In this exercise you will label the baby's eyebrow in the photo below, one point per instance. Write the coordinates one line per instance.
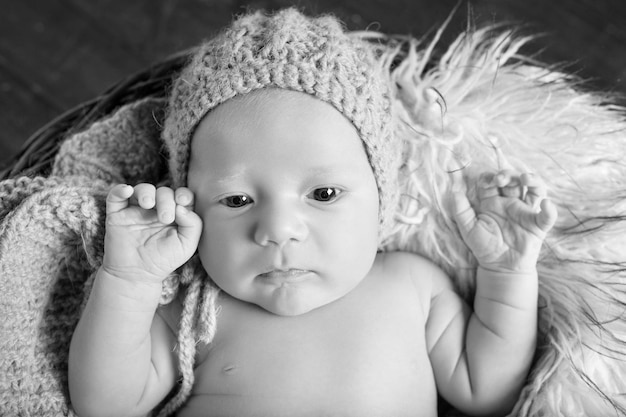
(327, 169)
(228, 177)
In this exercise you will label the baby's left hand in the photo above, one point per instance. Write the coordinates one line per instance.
(508, 227)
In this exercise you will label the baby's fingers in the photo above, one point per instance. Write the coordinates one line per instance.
(184, 197)
(509, 184)
(144, 196)
(189, 223)
(165, 205)
(487, 186)
(536, 189)
(117, 199)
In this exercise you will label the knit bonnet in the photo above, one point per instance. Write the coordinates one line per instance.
(288, 50)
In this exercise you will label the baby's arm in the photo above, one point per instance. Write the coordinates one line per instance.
(121, 355)
(481, 359)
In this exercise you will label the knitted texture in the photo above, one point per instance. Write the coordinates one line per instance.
(290, 51)
(43, 265)
(51, 244)
(119, 149)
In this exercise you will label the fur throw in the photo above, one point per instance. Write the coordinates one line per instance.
(477, 105)
(496, 109)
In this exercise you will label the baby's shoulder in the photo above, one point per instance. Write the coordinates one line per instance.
(411, 269)
(407, 263)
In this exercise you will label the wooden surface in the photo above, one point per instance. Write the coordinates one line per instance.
(55, 54)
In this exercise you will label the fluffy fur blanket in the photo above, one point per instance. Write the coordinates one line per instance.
(475, 106)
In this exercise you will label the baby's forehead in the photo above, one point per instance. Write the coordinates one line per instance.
(257, 99)
(243, 108)
(261, 107)
(278, 123)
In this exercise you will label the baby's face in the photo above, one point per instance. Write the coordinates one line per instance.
(288, 200)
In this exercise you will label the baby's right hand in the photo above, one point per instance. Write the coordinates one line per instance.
(149, 232)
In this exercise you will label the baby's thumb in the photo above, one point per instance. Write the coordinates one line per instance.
(462, 211)
(189, 225)
(546, 218)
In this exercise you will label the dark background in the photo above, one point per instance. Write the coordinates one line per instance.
(55, 54)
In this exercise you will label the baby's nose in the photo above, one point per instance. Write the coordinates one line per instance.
(280, 225)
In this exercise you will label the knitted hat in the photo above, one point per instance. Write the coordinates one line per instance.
(290, 51)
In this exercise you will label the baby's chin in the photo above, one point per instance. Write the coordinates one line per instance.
(288, 304)
(290, 308)
(287, 312)
(289, 298)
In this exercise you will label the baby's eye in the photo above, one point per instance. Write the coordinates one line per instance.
(236, 201)
(325, 194)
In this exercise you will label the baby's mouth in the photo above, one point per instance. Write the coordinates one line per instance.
(291, 274)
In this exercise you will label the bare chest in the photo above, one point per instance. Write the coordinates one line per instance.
(340, 360)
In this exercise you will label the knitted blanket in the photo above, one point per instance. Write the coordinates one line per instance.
(496, 109)
(51, 243)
